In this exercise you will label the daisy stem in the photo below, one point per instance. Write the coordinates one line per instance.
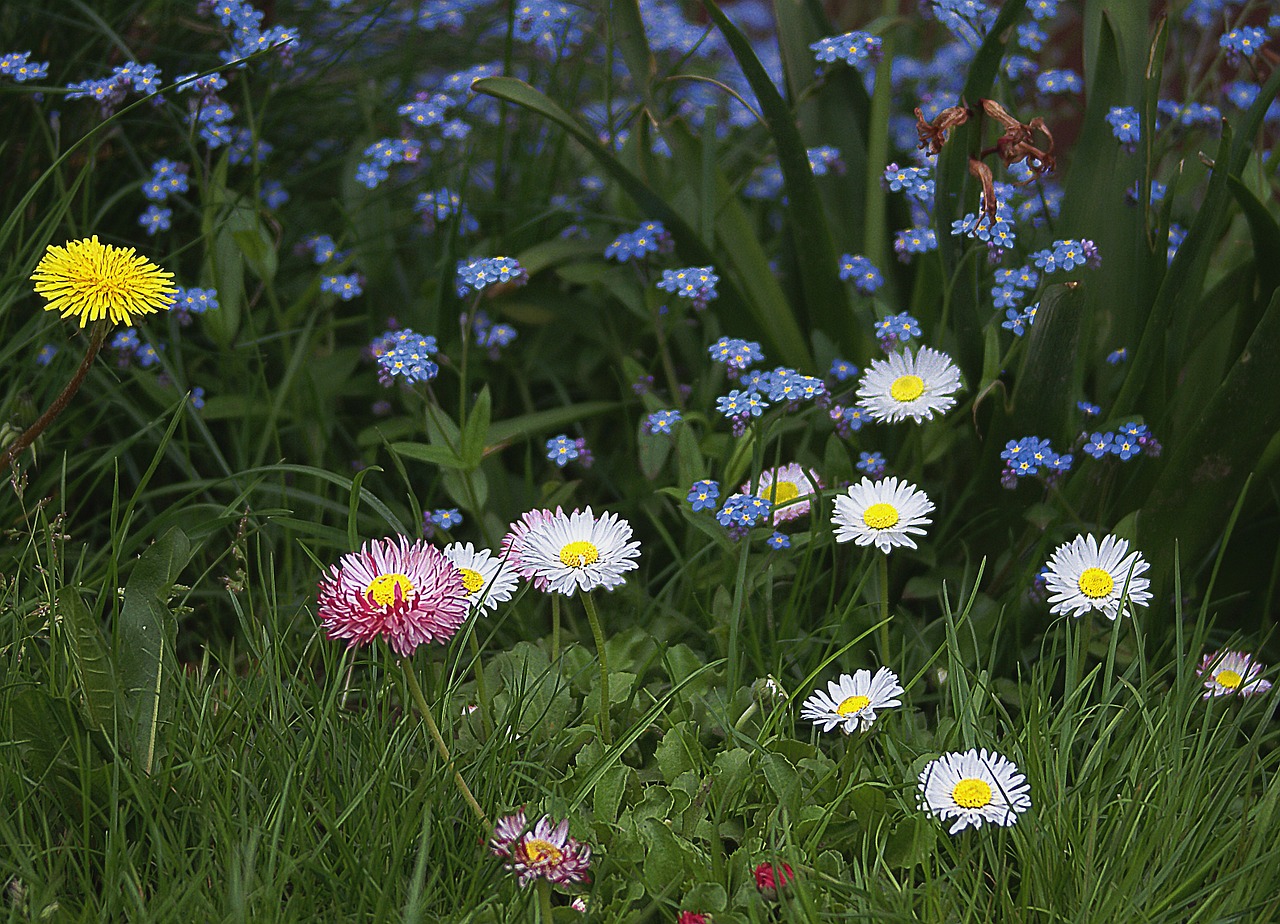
(606, 733)
(425, 711)
(555, 627)
(28, 436)
(544, 900)
(884, 607)
(482, 689)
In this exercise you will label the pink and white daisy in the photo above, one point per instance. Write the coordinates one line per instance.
(547, 851)
(405, 592)
(789, 488)
(1232, 672)
(513, 543)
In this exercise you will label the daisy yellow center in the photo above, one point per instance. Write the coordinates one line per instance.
(542, 852)
(971, 793)
(579, 554)
(906, 388)
(1228, 679)
(851, 705)
(1095, 583)
(92, 282)
(471, 580)
(382, 589)
(782, 491)
(880, 516)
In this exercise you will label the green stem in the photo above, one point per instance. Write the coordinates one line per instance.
(606, 732)
(555, 627)
(884, 608)
(425, 711)
(28, 436)
(544, 900)
(482, 688)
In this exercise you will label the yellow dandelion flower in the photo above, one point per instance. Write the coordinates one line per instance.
(93, 281)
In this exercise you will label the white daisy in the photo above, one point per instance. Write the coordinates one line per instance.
(1084, 576)
(882, 512)
(974, 787)
(852, 701)
(487, 579)
(784, 485)
(905, 385)
(576, 551)
(1228, 672)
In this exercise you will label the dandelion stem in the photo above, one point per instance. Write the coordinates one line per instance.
(884, 607)
(606, 733)
(29, 435)
(425, 711)
(544, 900)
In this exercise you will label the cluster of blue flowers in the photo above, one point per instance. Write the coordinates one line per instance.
(381, 155)
(129, 348)
(1012, 284)
(561, 450)
(247, 36)
(491, 336)
(405, 354)
(650, 237)
(19, 66)
(825, 159)
(662, 422)
(1066, 256)
(704, 495)
(439, 205)
(861, 272)
(1244, 42)
(188, 301)
(896, 329)
(872, 464)
(1059, 81)
(1018, 321)
(860, 50)
(742, 511)
(322, 249)
(344, 285)
(449, 15)
(696, 283)
(997, 233)
(1128, 441)
(914, 240)
(914, 181)
(110, 92)
(735, 353)
(548, 24)
(1032, 456)
(474, 275)
(1126, 125)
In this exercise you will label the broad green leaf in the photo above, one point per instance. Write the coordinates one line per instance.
(145, 642)
(536, 423)
(1044, 397)
(1266, 237)
(434, 455)
(93, 666)
(473, 436)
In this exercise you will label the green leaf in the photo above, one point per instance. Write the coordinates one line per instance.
(434, 455)
(911, 842)
(473, 437)
(93, 666)
(817, 265)
(534, 424)
(1045, 395)
(145, 642)
(1266, 237)
(678, 751)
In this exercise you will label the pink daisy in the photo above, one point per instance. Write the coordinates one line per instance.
(789, 488)
(546, 851)
(513, 543)
(1228, 672)
(406, 592)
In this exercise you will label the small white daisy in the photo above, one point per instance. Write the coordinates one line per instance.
(577, 551)
(788, 485)
(905, 385)
(1084, 576)
(852, 701)
(882, 512)
(488, 580)
(1232, 672)
(974, 787)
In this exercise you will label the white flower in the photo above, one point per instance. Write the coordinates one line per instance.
(488, 580)
(576, 551)
(784, 485)
(1084, 576)
(852, 701)
(1228, 672)
(974, 787)
(905, 385)
(881, 512)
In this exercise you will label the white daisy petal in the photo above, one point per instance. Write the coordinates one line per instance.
(488, 580)
(1085, 576)
(851, 701)
(909, 385)
(577, 551)
(1232, 673)
(974, 787)
(884, 512)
